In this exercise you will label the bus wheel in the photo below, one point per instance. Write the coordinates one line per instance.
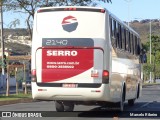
(121, 107)
(121, 103)
(68, 106)
(131, 102)
(59, 106)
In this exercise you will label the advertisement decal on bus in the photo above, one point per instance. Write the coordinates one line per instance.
(68, 62)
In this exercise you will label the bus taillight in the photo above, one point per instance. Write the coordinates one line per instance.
(70, 9)
(102, 10)
(34, 77)
(105, 76)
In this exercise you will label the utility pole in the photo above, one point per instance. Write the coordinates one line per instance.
(16, 80)
(150, 48)
(24, 69)
(46, 2)
(128, 1)
(2, 40)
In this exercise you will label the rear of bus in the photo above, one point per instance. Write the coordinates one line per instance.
(68, 51)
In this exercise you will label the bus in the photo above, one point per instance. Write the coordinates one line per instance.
(84, 56)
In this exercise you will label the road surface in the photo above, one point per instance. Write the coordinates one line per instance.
(149, 103)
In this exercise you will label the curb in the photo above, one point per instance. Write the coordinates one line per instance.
(150, 84)
(23, 100)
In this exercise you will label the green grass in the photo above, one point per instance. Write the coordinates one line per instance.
(14, 97)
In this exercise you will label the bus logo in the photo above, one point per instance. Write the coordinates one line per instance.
(61, 53)
(69, 23)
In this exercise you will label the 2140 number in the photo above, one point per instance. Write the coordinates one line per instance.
(56, 42)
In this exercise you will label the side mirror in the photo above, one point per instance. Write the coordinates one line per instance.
(143, 56)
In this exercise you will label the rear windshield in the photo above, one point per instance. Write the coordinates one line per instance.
(70, 24)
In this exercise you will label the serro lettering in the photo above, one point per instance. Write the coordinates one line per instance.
(61, 53)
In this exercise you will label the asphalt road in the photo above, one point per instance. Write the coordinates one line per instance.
(149, 103)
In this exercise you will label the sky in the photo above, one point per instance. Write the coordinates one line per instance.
(126, 10)
(141, 9)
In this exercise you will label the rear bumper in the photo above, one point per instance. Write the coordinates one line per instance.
(101, 93)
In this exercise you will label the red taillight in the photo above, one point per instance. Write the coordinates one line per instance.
(102, 10)
(39, 11)
(105, 76)
(105, 73)
(74, 8)
(34, 77)
(71, 9)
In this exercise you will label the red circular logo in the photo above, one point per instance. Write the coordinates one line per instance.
(69, 23)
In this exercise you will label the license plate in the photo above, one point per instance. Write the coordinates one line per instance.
(69, 85)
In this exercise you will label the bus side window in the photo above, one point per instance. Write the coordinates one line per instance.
(119, 36)
(124, 39)
(111, 27)
(137, 46)
(127, 40)
(114, 32)
(132, 44)
(138, 49)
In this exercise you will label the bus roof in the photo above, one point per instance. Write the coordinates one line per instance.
(72, 8)
(122, 23)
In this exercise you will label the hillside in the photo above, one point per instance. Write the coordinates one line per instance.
(143, 28)
(12, 41)
(15, 32)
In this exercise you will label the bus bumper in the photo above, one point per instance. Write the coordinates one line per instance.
(71, 94)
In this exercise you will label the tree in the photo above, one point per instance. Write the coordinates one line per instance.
(146, 71)
(23, 6)
(155, 49)
(155, 45)
(30, 6)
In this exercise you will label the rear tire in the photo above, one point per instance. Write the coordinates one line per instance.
(131, 102)
(138, 91)
(68, 106)
(121, 103)
(59, 106)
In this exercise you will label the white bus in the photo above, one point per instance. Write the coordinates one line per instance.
(84, 55)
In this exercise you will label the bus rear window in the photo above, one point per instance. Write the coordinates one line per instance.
(71, 23)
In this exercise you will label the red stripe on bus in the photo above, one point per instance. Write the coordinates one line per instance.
(60, 64)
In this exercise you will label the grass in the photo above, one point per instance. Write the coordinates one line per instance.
(14, 97)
